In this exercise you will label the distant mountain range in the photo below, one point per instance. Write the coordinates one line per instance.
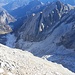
(15, 4)
(72, 2)
(6, 1)
(46, 29)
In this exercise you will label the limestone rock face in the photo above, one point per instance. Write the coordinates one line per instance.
(5, 19)
(5, 29)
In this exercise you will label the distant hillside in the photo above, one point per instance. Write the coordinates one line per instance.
(15, 4)
(6, 1)
(25, 10)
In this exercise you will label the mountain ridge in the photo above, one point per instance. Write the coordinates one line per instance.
(43, 21)
(48, 33)
(13, 61)
(44, 34)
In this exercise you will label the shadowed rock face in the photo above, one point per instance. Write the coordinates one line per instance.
(68, 40)
(37, 27)
(5, 17)
(5, 1)
(72, 2)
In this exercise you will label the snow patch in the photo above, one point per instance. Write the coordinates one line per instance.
(1, 70)
(41, 27)
(9, 73)
(33, 14)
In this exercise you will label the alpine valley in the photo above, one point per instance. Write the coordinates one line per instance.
(37, 37)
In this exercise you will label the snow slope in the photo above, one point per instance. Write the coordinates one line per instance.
(17, 62)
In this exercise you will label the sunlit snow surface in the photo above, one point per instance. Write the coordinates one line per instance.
(18, 62)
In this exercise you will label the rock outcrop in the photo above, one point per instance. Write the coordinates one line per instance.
(5, 19)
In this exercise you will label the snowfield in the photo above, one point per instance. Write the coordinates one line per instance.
(18, 62)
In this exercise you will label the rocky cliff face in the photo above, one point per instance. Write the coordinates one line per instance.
(37, 27)
(5, 17)
(17, 62)
(50, 34)
(68, 39)
(72, 2)
(5, 1)
(25, 10)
